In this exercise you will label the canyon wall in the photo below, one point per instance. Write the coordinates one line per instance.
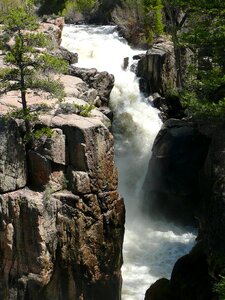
(61, 217)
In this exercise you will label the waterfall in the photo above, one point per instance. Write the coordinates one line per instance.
(150, 248)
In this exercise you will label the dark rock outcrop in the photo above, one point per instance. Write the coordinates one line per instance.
(195, 274)
(103, 82)
(61, 237)
(70, 57)
(13, 165)
(171, 188)
(212, 185)
(157, 69)
(160, 290)
(170, 107)
(190, 280)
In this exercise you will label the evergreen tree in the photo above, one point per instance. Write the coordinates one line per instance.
(27, 68)
(204, 34)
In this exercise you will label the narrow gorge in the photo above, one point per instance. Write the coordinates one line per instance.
(115, 191)
(150, 248)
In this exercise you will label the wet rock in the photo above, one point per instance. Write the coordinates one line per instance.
(190, 278)
(157, 69)
(169, 106)
(107, 112)
(171, 186)
(125, 63)
(138, 56)
(160, 290)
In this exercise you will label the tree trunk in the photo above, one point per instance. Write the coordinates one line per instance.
(177, 51)
(24, 101)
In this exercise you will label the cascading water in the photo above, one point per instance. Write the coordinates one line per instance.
(150, 248)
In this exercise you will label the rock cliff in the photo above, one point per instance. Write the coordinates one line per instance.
(157, 69)
(171, 188)
(61, 234)
(189, 157)
(61, 217)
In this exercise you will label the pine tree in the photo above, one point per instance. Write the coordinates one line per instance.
(27, 68)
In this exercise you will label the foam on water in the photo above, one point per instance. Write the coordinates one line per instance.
(150, 248)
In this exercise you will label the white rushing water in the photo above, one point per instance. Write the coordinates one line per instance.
(150, 248)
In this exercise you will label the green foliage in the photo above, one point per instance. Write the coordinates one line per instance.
(69, 9)
(219, 288)
(49, 85)
(43, 132)
(159, 27)
(82, 110)
(27, 115)
(148, 37)
(64, 182)
(66, 7)
(203, 87)
(30, 116)
(38, 134)
(208, 109)
(29, 68)
(85, 6)
(41, 108)
(7, 5)
(142, 20)
(204, 92)
(85, 110)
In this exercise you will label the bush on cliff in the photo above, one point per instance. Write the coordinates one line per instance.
(219, 288)
(47, 7)
(7, 5)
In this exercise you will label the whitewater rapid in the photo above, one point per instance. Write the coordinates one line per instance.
(150, 248)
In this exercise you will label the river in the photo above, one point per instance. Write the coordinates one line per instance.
(150, 248)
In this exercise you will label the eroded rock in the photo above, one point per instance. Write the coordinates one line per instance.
(59, 246)
(102, 82)
(157, 69)
(63, 240)
(13, 166)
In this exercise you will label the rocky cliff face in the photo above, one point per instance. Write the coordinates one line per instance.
(157, 69)
(61, 236)
(171, 188)
(198, 152)
(61, 217)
